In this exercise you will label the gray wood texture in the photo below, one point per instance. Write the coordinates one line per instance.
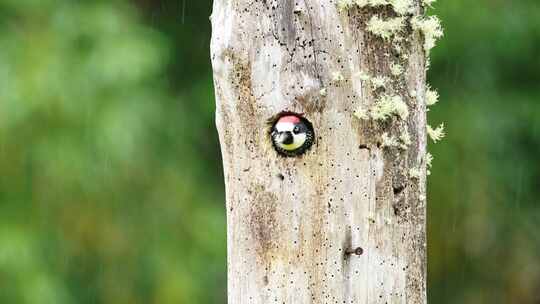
(291, 220)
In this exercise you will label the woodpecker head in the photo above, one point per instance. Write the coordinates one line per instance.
(292, 135)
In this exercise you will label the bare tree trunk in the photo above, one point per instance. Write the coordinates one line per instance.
(293, 222)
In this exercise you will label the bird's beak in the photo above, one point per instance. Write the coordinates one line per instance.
(285, 138)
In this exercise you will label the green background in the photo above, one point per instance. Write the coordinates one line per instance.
(110, 174)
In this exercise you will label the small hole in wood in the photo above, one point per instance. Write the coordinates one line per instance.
(291, 134)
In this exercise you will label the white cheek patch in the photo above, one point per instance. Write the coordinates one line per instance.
(284, 126)
(299, 140)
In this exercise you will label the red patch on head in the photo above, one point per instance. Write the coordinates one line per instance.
(289, 118)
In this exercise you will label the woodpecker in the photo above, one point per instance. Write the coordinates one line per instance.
(292, 135)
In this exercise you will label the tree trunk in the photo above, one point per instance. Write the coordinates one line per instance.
(293, 222)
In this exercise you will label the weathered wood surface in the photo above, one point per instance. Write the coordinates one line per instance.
(290, 220)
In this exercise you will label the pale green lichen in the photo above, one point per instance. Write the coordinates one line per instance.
(337, 77)
(431, 29)
(415, 173)
(401, 108)
(378, 2)
(348, 4)
(323, 92)
(361, 113)
(432, 97)
(402, 7)
(429, 162)
(385, 28)
(388, 106)
(396, 69)
(397, 45)
(361, 3)
(405, 140)
(379, 82)
(363, 76)
(402, 142)
(428, 2)
(388, 141)
(436, 134)
(398, 39)
(345, 4)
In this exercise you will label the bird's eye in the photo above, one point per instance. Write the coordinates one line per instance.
(296, 130)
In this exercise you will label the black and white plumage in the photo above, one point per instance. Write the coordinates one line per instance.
(292, 135)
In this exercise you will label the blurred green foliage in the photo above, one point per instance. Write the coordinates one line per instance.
(110, 189)
(484, 194)
(111, 186)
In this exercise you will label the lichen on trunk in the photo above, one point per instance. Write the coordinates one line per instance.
(291, 221)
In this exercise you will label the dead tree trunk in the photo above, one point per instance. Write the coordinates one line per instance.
(357, 73)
